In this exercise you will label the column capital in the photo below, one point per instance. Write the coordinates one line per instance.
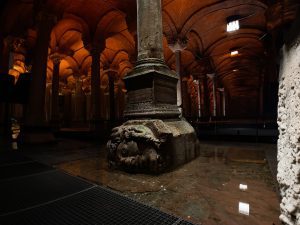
(177, 45)
(56, 58)
(16, 44)
(211, 75)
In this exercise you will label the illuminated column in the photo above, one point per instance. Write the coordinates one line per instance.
(34, 130)
(212, 76)
(177, 47)
(178, 71)
(56, 59)
(95, 86)
(197, 82)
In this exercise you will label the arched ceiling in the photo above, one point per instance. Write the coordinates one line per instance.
(199, 26)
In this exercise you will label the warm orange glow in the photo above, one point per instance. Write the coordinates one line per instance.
(234, 53)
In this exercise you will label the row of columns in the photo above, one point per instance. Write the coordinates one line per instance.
(215, 107)
(35, 110)
(95, 91)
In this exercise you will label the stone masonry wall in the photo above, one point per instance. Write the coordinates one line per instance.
(289, 127)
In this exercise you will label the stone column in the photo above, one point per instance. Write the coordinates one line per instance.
(112, 108)
(288, 155)
(213, 79)
(155, 139)
(151, 86)
(35, 130)
(149, 29)
(177, 48)
(205, 97)
(261, 95)
(178, 71)
(95, 88)
(197, 82)
(56, 59)
(223, 101)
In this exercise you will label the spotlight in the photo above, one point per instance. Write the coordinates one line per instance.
(233, 53)
(233, 23)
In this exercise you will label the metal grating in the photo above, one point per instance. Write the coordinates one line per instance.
(92, 207)
(24, 192)
(32, 193)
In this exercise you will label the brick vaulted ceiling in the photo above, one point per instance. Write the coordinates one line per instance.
(198, 25)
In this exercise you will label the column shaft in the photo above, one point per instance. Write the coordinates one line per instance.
(178, 71)
(55, 92)
(112, 97)
(95, 86)
(205, 97)
(214, 97)
(35, 116)
(149, 29)
(199, 96)
(151, 85)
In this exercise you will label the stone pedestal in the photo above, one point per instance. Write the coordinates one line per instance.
(152, 90)
(152, 146)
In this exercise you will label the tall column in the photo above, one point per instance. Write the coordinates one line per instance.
(186, 98)
(213, 79)
(222, 101)
(261, 95)
(112, 96)
(95, 87)
(177, 48)
(151, 85)
(178, 71)
(199, 96)
(155, 138)
(34, 130)
(55, 91)
(149, 29)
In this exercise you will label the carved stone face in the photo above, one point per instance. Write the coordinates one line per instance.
(128, 149)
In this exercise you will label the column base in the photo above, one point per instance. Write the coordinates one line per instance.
(36, 135)
(152, 146)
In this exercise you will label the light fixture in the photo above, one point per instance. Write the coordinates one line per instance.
(233, 23)
(235, 70)
(233, 53)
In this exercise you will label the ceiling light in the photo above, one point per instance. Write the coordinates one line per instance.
(233, 25)
(235, 70)
(233, 53)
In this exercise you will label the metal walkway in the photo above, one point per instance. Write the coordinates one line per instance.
(32, 193)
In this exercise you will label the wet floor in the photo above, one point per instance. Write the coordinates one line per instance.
(204, 191)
